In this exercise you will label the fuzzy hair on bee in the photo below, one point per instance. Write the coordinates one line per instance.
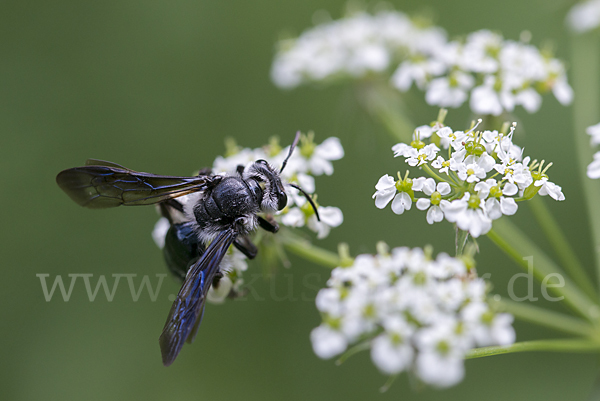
(219, 211)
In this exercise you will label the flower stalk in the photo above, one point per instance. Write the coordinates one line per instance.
(569, 260)
(306, 250)
(561, 345)
(518, 246)
(547, 318)
(386, 107)
(586, 111)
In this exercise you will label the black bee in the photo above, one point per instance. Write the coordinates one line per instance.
(225, 209)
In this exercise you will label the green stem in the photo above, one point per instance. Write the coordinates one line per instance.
(306, 250)
(560, 244)
(544, 317)
(561, 345)
(365, 345)
(586, 112)
(388, 383)
(461, 241)
(517, 245)
(437, 177)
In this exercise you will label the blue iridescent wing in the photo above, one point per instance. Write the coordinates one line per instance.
(188, 307)
(101, 184)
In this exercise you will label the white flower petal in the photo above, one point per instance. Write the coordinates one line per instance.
(330, 149)
(401, 202)
(382, 198)
(435, 215)
(423, 203)
(508, 206)
(330, 215)
(443, 188)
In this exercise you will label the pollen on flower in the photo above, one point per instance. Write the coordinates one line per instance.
(416, 313)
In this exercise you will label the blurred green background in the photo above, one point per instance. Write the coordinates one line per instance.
(156, 86)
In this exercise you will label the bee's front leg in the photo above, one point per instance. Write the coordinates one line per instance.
(268, 223)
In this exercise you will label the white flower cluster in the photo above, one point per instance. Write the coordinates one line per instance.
(413, 312)
(482, 177)
(354, 46)
(496, 74)
(308, 160)
(584, 16)
(593, 170)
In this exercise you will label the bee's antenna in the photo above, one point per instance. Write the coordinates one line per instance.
(308, 198)
(296, 139)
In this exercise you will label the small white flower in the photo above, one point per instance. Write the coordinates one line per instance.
(440, 361)
(475, 168)
(159, 233)
(422, 156)
(434, 214)
(593, 170)
(386, 189)
(294, 218)
(392, 351)
(500, 202)
(419, 72)
(594, 132)
(450, 91)
(402, 149)
(467, 218)
(549, 188)
(439, 370)
(562, 91)
(441, 164)
(320, 161)
(485, 100)
(529, 99)
(330, 217)
(584, 16)
(487, 327)
(327, 342)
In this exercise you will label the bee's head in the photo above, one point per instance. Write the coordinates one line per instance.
(274, 197)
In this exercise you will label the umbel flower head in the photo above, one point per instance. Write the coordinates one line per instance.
(495, 75)
(414, 312)
(308, 161)
(475, 177)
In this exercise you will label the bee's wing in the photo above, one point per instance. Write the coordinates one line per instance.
(188, 307)
(100, 184)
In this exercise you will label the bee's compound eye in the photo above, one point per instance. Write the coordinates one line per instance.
(281, 201)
